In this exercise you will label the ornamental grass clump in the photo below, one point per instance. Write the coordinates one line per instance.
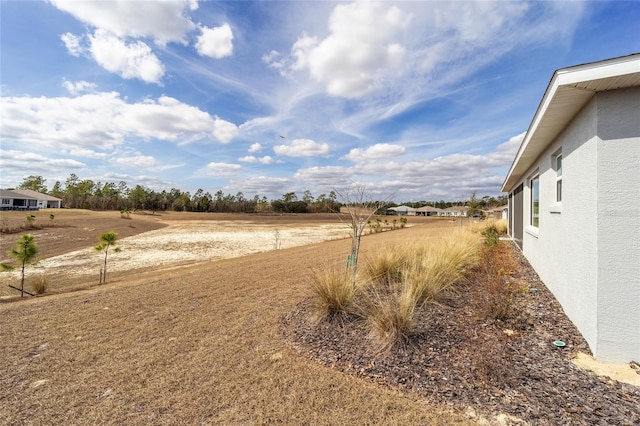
(334, 291)
(385, 266)
(391, 316)
(398, 291)
(440, 266)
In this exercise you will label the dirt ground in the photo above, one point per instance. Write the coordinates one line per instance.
(201, 340)
(154, 241)
(199, 344)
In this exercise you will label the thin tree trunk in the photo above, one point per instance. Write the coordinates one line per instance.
(22, 282)
(104, 275)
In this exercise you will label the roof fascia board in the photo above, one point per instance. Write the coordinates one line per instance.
(571, 76)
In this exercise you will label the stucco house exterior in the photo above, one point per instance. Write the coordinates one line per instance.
(428, 211)
(457, 211)
(498, 213)
(26, 199)
(402, 211)
(574, 201)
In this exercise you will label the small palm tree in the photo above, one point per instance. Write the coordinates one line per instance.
(25, 252)
(107, 240)
(51, 217)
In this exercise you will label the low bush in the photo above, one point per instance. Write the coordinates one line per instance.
(40, 283)
(500, 288)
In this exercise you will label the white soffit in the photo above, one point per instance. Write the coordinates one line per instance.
(568, 92)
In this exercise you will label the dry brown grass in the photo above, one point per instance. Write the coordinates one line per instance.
(399, 282)
(40, 283)
(196, 345)
(334, 291)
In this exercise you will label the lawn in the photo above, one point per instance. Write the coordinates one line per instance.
(200, 344)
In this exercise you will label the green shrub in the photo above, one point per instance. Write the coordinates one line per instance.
(491, 236)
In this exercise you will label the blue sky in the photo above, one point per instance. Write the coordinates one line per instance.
(427, 100)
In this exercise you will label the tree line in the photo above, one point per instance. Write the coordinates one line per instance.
(86, 194)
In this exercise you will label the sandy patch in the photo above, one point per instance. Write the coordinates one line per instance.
(620, 372)
(184, 243)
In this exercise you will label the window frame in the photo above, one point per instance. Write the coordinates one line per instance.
(557, 166)
(534, 200)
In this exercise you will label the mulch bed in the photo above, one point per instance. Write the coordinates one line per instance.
(462, 356)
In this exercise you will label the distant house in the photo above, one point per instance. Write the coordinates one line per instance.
(428, 211)
(578, 164)
(498, 213)
(402, 211)
(457, 211)
(25, 199)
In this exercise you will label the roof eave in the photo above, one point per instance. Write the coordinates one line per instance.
(565, 96)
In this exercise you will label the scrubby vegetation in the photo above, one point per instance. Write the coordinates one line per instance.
(396, 284)
(40, 283)
(24, 252)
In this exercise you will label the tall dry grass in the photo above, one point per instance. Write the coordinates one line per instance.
(386, 265)
(334, 290)
(40, 283)
(391, 316)
(395, 285)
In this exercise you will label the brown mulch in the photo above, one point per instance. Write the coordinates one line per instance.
(463, 356)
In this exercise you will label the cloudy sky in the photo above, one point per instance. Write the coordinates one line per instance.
(425, 99)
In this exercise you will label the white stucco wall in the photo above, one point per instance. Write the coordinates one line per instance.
(618, 190)
(587, 248)
(563, 250)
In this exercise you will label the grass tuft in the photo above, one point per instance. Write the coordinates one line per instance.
(40, 283)
(401, 281)
(500, 288)
(385, 266)
(334, 290)
(391, 316)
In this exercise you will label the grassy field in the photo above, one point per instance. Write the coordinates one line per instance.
(195, 345)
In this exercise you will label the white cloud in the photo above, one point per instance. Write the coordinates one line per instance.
(276, 60)
(78, 87)
(362, 50)
(506, 151)
(224, 131)
(83, 152)
(103, 121)
(138, 160)
(302, 148)
(17, 164)
(248, 159)
(222, 169)
(24, 159)
(255, 147)
(272, 186)
(129, 60)
(73, 44)
(163, 21)
(329, 177)
(253, 159)
(215, 42)
(375, 152)
(301, 50)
